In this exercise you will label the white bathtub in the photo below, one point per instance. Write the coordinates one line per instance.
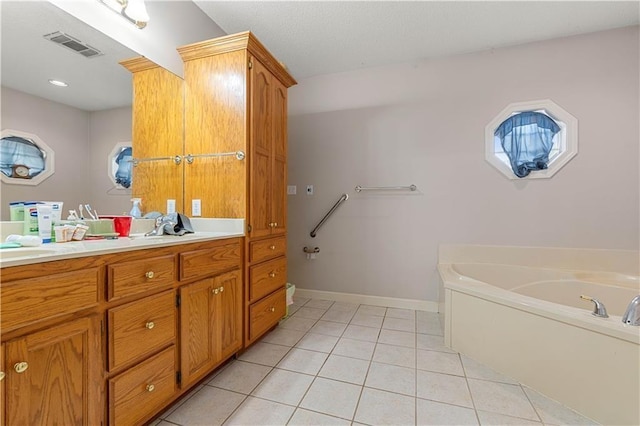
(530, 324)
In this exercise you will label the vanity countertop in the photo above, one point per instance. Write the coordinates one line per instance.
(205, 230)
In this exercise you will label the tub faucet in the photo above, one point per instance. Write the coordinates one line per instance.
(632, 314)
(598, 310)
(161, 222)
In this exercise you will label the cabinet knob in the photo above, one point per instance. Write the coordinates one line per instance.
(21, 367)
(149, 274)
(270, 224)
(221, 289)
(272, 247)
(275, 224)
(1, 376)
(150, 325)
(272, 274)
(150, 387)
(272, 309)
(216, 291)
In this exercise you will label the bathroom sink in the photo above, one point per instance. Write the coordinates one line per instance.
(24, 252)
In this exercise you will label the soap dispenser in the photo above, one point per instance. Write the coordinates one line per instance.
(135, 210)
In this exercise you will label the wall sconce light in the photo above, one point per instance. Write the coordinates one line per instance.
(133, 10)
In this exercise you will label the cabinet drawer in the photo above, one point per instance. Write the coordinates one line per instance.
(267, 277)
(267, 249)
(142, 390)
(139, 276)
(30, 300)
(266, 313)
(141, 327)
(211, 261)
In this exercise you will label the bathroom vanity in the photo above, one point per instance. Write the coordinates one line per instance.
(114, 334)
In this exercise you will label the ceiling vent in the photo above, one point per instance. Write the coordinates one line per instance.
(74, 44)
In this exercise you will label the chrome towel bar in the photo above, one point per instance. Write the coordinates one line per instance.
(342, 199)
(385, 188)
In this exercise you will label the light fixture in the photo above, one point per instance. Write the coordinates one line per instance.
(58, 83)
(134, 11)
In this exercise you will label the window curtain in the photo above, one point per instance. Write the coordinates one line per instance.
(527, 139)
(16, 150)
(123, 174)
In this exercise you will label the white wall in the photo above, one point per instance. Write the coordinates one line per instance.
(423, 124)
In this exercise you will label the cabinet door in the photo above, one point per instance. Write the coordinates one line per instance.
(229, 314)
(2, 382)
(197, 338)
(55, 376)
(279, 159)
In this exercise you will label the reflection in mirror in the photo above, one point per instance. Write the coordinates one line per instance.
(120, 165)
(24, 158)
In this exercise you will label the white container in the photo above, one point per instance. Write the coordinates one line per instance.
(45, 221)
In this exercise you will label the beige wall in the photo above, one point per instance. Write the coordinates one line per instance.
(81, 141)
(423, 123)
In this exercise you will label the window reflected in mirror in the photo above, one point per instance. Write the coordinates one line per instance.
(24, 158)
(121, 165)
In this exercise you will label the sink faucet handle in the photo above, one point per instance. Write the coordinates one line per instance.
(598, 310)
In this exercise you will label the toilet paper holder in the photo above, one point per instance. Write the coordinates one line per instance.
(310, 250)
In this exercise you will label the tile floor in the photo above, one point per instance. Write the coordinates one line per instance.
(334, 363)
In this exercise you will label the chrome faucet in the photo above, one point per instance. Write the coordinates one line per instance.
(161, 222)
(598, 310)
(632, 314)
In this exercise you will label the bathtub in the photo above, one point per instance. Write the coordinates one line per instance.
(530, 324)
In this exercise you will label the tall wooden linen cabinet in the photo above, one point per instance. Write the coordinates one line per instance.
(233, 99)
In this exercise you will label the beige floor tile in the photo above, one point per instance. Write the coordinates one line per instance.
(475, 370)
(329, 328)
(399, 324)
(310, 313)
(181, 401)
(392, 378)
(304, 417)
(293, 309)
(265, 354)
(303, 361)
(408, 314)
(338, 316)
(257, 411)
(318, 342)
(354, 348)
(432, 343)
(378, 407)
(359, 332)
(440, 362)
(437, 413)
(427, 316)
(345, 369)
(344, 306)
(300, 301)
(398, 338)
(443, 388)
(501, 398)
(323, 397)
(286, 387)
(495, 419)
(372, 310)
(554, 413)
(367, 320)
(319, 303)
(396, 355)
(209, 406)
(298, 323)
(240, 377)
(429, 327)
(283, 336)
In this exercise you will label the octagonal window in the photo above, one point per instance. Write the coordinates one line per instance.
(530, 140)
(24, 158)
(120, 165)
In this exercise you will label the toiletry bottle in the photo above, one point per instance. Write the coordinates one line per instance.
(135, 210)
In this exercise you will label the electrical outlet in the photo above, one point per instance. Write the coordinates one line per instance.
(171, 206)
(309, 189)
(291, 190)
(196, 207)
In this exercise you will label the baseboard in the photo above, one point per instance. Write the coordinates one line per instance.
(393, 302)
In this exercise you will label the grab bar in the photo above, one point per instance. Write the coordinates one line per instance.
(385, 188)
(342, 199)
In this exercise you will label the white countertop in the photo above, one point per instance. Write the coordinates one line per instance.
(205, 230)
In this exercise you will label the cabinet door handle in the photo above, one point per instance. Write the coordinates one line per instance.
(2, 375)
(21, 367)
(150, 387)
(215, 291)
(221, 289)
(272, 274)
(272, 309)
(272, 247)
(149, 274)
(150, 325)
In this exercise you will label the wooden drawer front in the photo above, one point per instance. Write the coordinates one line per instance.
(142, 390)
(267, 277)
(267, 249)
(30, 300)
(211, 261)
(141, 327)
(266, 313)
(139, 276)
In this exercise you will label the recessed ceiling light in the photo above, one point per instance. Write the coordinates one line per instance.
(58, 83)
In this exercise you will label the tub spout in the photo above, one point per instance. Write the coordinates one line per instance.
(598, 310)
(632, 314)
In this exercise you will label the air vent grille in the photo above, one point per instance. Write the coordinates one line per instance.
(74, 44)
